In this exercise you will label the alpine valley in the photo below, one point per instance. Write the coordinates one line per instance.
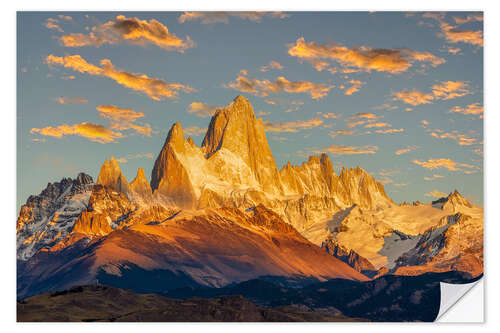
(221, 219)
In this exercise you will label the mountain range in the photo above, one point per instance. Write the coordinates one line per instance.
(223, 213)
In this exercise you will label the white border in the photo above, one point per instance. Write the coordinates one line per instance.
(8, 56)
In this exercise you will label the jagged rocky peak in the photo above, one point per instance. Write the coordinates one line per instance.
(140, 184)
(236, 129)
(49, 216)
(169, 176)
(112, 177)
(454, 201)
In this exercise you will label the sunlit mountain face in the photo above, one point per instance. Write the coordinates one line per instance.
(342, 183)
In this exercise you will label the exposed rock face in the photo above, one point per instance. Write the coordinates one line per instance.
(48, 217)
(93, 224)
(235, 168)
(140, 185)
(236, 129)
(169, 176)
(348, 256)
(455, 246)
(111, 176)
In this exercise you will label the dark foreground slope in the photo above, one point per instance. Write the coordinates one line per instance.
(388, 298)
(101, 303)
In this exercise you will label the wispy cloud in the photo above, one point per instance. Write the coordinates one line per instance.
(132, 30)
(265, 87)
(445, 90)
(272, 65)
(120, 119)
(452, 33)
(93, 132)
(436, 194)
(390, 131)
(355, 86)
(71, 100)
(445, 163)
(405, 150)
(156, 89)
(461, 139)
(434, 177)
(202, 110)
(292, 126)
(472, 109)
(338, 133)
(349, 150)
(223, 17)
(365, 58)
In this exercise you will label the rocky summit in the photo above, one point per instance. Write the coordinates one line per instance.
(223, 213)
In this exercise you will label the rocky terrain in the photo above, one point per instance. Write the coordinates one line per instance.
(223, 213)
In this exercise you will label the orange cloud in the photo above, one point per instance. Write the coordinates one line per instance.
(223, 17)
(477, 17)
(337, 133)
(356, 85)
(292, 126)
(436, 194)
(473, 109)
(350, 150)
(461, 139)
(202, 110)
(123, 119)
(443, 163)
(453, 35)
(413, 97)
(71, 100)
(361, 119)
(156, 89)
(331, 115)
(132, 30)
(93, 132)
(378, 125)
(445, 90)
(434, 177)
(53, 23)
(450, 89)
(390, 131)
(265, 87)
(393, 61)
(272, 65)
(120, 119)
(405, 150)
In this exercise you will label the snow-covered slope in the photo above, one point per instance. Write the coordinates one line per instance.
(49, 217)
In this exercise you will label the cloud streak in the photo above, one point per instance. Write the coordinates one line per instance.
(71, 100)
(445, 163)
(131, 30)
(156, 89)
(202, 110)
(394, 61)
(120, 119)
(265, 87)
(93, 132)
(292, 126)
(350, 150)
(445, 90)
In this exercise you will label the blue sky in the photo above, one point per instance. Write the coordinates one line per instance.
(399, 94)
